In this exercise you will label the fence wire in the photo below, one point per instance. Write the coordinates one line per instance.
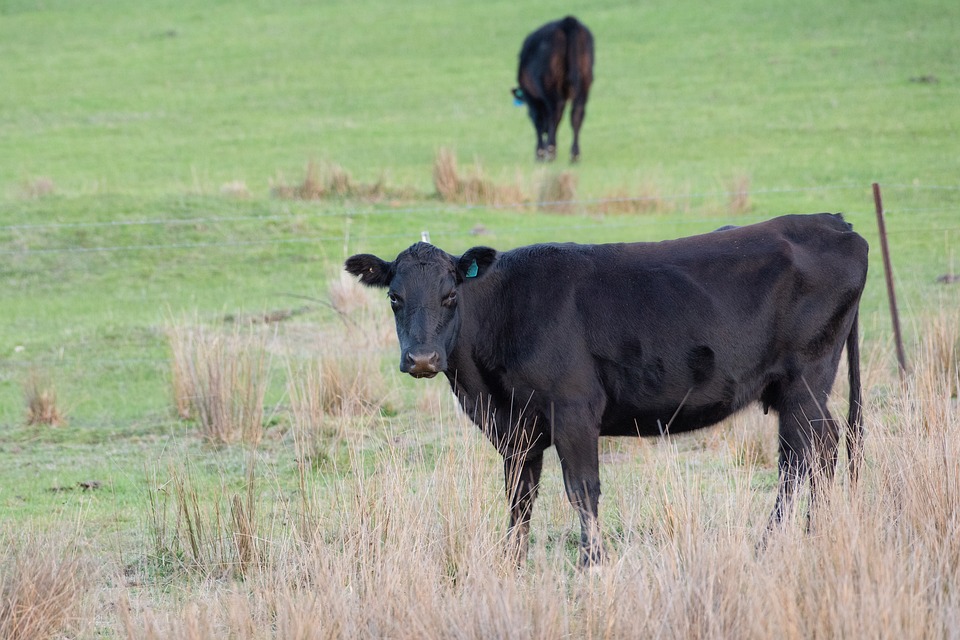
(446, 210)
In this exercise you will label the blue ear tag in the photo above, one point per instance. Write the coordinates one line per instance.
(472, 271)
(517, 102)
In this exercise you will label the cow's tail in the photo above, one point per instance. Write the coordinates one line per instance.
(855, 412)
(571, 28)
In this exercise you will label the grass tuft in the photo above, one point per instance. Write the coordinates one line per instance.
(648, 199)
(473, 188)
(236, 189)
(739, 195)
(940, 346)
(38, 187)
(217, 537)
(556, 191)
(40, 397)
(220, 378)
(43, 585)
(330, 180)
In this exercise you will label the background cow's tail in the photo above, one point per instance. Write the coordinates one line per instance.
(855, 413)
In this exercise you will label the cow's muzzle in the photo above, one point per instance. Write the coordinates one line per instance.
(421, 365)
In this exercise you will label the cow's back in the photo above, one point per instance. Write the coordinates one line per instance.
(706, 322)
(557, 58)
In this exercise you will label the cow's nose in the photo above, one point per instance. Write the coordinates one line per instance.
(423, 365)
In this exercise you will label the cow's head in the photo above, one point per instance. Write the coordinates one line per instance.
(424, 286)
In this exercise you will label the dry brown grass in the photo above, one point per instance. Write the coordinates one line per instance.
(738, 200)
(338, 391)
(330, 180)
(40, 397)
(940, 345)
(407, 550)
(474, 187)
(556, 191)
(218, 537)
(648, 198)
(752, 440)
(219, 378)
(347, 295)
(38, 187)
(236, 189)
(44, 583)
(407, 539)
(337, 385)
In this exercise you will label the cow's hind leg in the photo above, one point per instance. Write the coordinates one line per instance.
(540, 118)
(809, 438)
(554, 115)
(578, 111)
(576, 438)
(522, 475)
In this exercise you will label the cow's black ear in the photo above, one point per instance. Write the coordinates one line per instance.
(475, 262)
(373, 271)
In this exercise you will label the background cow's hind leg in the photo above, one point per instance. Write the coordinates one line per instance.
(578, 111)
(554, 115)
(538, 114)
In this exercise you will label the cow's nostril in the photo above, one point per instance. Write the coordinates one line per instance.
(423, 362)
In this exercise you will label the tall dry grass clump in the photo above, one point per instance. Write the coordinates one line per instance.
(329, 180)
(940, 347)
(556, 191)
(337, 391)
(219, 378)
(214, 532)
(472, 188)
(40, 398)
(738, 198)
(236, 189)
(338, 385)
(37, 187)
(647, 199)
(44, 583)
(366, 322)
(446, 175)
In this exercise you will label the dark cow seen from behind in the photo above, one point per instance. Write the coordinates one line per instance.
(559, 344)
(556, 65)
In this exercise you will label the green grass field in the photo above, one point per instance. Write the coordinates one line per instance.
(142, 145)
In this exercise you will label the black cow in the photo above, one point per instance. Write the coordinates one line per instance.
(559, 344)
(556, 65)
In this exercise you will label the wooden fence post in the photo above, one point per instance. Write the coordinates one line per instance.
(888, 272)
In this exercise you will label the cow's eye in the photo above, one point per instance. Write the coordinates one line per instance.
(450, 299)
(394, 299)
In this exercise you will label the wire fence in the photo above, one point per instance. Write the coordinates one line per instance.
(448, 211)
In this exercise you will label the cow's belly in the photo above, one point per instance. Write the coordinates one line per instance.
(632, 421)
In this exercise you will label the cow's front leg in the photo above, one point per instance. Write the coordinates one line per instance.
(577, 445)
(522, 475)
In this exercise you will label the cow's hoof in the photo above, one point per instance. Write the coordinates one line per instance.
(591, 557)
(574, 158)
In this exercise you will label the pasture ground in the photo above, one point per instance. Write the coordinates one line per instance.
(149, 152)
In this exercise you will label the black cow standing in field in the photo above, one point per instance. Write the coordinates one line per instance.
(559, 344)
(556, 65)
